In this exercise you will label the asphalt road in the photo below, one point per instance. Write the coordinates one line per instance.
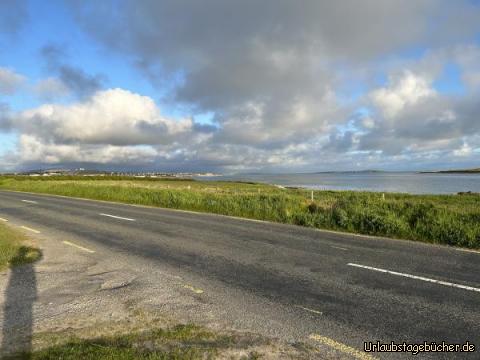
(337, 288)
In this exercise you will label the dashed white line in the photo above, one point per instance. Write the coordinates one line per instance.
(339, 248)
(30, 229)
(78, 246)
(440, 282)
(117, 217)
(4, 220)
(30, 201)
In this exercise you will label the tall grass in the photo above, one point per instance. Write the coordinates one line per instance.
(443, 219)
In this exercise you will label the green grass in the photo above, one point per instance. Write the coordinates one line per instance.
(443, 219)
(181, 342)
(13, 250)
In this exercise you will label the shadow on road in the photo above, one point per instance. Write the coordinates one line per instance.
(20, 295)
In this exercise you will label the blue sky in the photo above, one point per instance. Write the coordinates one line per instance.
(53, 24)
(293, 92)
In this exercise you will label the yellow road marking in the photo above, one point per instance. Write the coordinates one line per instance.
(2, 219)
(341, 347)
(30, 229)
(196, 291)
(78, 246)
(310, 310)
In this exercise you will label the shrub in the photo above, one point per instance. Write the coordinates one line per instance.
(340, 218)
(373, 223)
(419, 213)
(449, 232)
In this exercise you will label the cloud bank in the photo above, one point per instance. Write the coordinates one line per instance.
(321, 85)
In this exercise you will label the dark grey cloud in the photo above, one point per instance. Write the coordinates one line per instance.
(269, 70)
(53, 54)
(13, 15)
(72, 77)
(79, 81)
(232, 51)
(340, 142)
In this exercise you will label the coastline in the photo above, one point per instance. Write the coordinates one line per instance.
(394, 182)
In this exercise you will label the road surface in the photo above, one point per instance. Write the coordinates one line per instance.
(298, 283)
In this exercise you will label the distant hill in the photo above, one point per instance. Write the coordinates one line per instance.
(456, 171)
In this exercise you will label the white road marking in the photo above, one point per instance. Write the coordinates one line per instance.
(469, 250)
(338, 247)
(117, 217)
(2, 219)
(78, 246)
(310, 310)
(30, 229)
(30, 201)
(440, 282)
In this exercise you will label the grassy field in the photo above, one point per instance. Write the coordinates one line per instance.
(14, 249)
(443, 219)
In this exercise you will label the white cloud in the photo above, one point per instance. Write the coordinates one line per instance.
(33, 150)
(465, 150)
(10, 81)
(367, 122)
(110, 117)
(414, 121)
(112, 127)
(402, 91)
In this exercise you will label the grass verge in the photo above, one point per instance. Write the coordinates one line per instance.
(181, 342)
(442, 219)
(14, 249)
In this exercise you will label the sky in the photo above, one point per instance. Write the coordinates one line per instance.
(240, 86)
